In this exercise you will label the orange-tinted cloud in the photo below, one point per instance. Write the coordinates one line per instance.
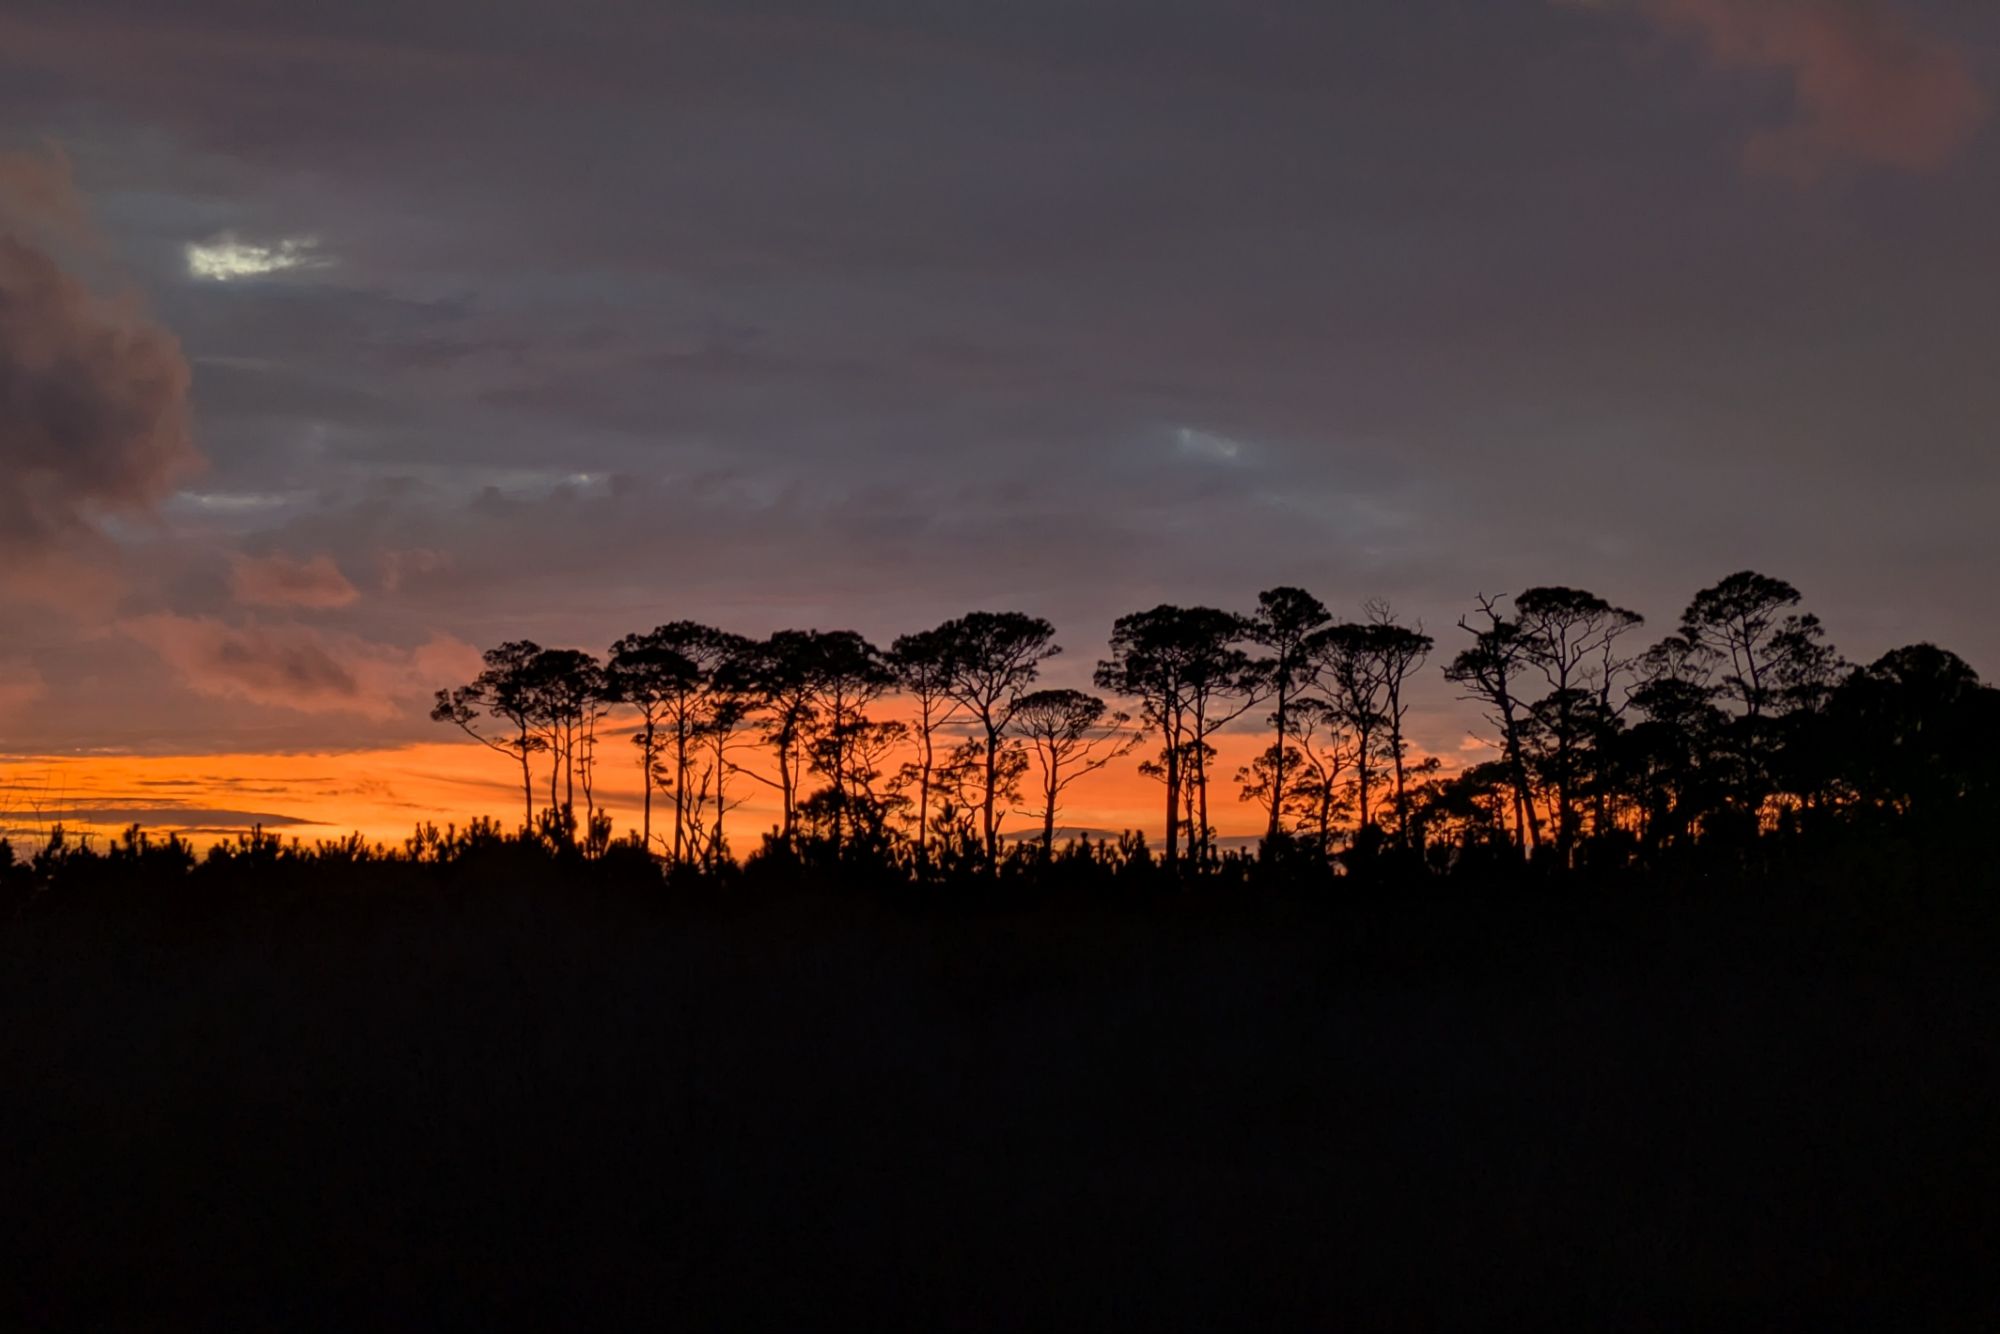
(37, 190)
(299, 667)
(72, 579)
(93, 394)
(1867, 86)
(279, 580)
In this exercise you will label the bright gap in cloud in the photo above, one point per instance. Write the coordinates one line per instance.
(226, 258)
(231, 502)
(1198, 444)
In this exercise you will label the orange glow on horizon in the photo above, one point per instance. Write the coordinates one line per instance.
(383, 793)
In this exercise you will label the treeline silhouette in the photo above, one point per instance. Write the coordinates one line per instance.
(1741, 731)
(1736, 743)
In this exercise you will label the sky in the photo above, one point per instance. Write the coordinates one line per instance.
(338, 342)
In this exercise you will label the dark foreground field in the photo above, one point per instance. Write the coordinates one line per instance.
(506, 1107)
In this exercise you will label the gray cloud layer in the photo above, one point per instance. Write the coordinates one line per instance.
(633, 311)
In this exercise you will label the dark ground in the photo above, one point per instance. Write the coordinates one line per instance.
(530, 1108)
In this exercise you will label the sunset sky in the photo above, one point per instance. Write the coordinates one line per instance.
(340, 341)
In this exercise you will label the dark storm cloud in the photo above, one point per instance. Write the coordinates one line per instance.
(93, 410)
(780, 313)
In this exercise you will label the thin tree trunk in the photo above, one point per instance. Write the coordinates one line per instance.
(1202, 834)
(527, 787)
(1523, 794)
(646, 778)
(924, 799)
(569, 766)
(1195, 789)
(1049, 817)
(1361, 819)
(680, 787)
(992, 776)
(1277, 770)
(788, 790)
(1565, 810)
(1396, 749)
(721, 805)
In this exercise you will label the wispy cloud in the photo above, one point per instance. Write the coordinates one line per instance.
(163, 817)
(299, 667)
